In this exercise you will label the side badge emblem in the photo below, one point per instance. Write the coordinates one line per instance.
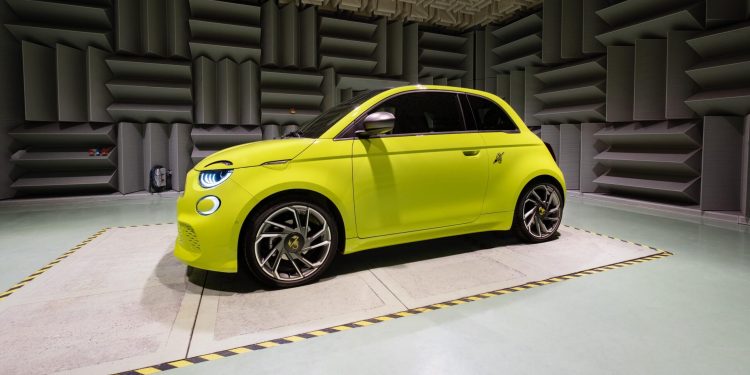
(499, 158)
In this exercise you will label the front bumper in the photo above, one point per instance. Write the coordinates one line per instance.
(210, 242)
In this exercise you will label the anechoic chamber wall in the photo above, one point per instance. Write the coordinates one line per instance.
(639, 98)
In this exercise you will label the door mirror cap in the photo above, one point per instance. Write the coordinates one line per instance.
(377, 123)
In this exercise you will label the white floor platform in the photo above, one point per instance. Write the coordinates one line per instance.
(123, 302)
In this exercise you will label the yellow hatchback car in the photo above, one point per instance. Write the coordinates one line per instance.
(386, 167)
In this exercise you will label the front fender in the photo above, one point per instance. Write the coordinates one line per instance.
(329, 177)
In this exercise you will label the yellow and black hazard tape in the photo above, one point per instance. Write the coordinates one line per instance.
(343, 327)
(143, 225)
(419, 310)
(57, 260)
(49, 265)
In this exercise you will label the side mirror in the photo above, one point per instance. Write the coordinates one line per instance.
(377, 123)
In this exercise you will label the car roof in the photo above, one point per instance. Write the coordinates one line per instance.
(419, 87)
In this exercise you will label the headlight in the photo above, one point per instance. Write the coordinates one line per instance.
(210, 179)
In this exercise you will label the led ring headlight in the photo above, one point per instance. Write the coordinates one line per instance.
(210, 179)
(208, 205)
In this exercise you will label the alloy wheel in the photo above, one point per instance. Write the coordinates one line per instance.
(541, 211)
(292, 243)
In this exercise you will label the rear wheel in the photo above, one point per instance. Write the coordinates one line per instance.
(291, 243)
(538, 212)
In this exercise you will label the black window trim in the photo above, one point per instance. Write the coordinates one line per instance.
(343, 135)
(466, 106)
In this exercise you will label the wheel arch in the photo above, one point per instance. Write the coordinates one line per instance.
(544, 178)
(302, 194)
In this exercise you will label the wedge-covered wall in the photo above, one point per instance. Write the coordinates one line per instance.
(107, 89)
(638, 98)
(11, 102)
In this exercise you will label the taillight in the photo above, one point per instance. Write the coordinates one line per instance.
(551, 152)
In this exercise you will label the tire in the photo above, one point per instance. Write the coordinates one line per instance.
(543, 201)
(281, 253)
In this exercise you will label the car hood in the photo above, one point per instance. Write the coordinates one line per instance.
(256, 153)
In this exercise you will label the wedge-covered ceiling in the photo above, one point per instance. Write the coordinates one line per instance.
(454, 14)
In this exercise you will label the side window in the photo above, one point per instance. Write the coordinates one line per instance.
(424, 112)
(489, 116)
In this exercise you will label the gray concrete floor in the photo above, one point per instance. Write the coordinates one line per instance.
(688, 313)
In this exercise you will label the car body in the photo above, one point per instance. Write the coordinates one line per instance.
(439, 176)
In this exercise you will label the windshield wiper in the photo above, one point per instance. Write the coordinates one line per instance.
(294, 133)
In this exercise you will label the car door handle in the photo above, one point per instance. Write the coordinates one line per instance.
(471, 152)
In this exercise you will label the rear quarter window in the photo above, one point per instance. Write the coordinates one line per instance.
(489, 116)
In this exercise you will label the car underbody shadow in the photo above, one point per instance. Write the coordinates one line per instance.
(244, 282)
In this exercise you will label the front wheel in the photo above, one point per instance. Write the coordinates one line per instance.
(291, 243)
(538, 212)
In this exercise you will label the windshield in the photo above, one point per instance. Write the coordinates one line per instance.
(317, 126)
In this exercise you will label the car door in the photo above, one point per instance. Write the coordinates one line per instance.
(507, 151)
(430, 172)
